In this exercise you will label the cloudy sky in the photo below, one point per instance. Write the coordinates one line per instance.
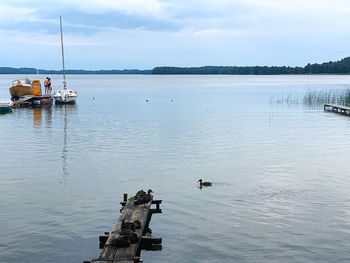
(118, 34)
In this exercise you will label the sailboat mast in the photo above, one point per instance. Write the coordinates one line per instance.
(64, 73)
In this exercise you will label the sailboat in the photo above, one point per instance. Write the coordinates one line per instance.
(64, 95)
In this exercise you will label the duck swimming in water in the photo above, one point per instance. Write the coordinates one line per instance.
(201, 183)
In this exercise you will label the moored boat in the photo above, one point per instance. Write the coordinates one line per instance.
(64, 95)
(5, 105)
(21, 87)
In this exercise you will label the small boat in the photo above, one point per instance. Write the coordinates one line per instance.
(5, 105)
(64, 95)
(21, 87)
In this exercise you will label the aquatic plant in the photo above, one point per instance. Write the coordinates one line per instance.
(315, 98)
(312, 98)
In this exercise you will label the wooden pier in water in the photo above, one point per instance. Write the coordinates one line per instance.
(337, 109)
(31, 100)
(130, 234)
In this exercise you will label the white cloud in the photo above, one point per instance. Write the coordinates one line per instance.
(43, 39)
(218, 32)
(184, 31)
(141, 7)
(10, 15)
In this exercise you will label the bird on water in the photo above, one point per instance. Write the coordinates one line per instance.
(201, 183)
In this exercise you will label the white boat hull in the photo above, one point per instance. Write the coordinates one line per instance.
(65, 96)
(5, 105)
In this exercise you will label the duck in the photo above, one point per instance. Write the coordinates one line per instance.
(142, 198)
(201, 183)
(149, 193)
(140, 193)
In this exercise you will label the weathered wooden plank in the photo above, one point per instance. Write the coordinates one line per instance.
(131, 213)
(27, 100)
(109, 250)
(154, 202)
(23, 100)
(151, 240)
(155, 211)
(124, 243)
(112, 260)
(340, 109)
(336, 106)
(141, 214)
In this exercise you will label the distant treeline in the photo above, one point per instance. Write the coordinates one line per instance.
(337, 67)
(8, 70)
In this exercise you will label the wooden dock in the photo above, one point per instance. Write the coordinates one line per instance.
(31, 100)
(337, 109)
(130, 236)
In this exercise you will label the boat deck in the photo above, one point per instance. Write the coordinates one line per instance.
(28, 100)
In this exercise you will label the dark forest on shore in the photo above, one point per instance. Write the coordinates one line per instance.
(338, 67)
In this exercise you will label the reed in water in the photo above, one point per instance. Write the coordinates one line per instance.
(316, 97)
(333, 97)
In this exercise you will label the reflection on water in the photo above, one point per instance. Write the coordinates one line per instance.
(65, 110)
(48, 113)
(280, 177)
(38, 113)
(37, 120)
(3, 112)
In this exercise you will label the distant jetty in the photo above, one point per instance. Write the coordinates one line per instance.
(338, 67)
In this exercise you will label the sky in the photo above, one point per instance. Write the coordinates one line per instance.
(142, 34)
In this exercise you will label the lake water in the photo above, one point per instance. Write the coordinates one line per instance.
(280, 172)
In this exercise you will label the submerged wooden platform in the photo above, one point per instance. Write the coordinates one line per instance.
(31, 100)
(129, 236)
(344, 110)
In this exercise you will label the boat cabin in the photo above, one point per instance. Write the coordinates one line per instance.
(35, 84)
(21, 82)
(36, 87)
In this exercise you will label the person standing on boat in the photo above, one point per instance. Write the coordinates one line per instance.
(46, 84)
(49, 88)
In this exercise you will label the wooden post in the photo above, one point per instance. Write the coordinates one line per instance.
(103, 239)
(125, 197)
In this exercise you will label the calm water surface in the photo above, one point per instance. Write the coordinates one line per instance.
(280, 173)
